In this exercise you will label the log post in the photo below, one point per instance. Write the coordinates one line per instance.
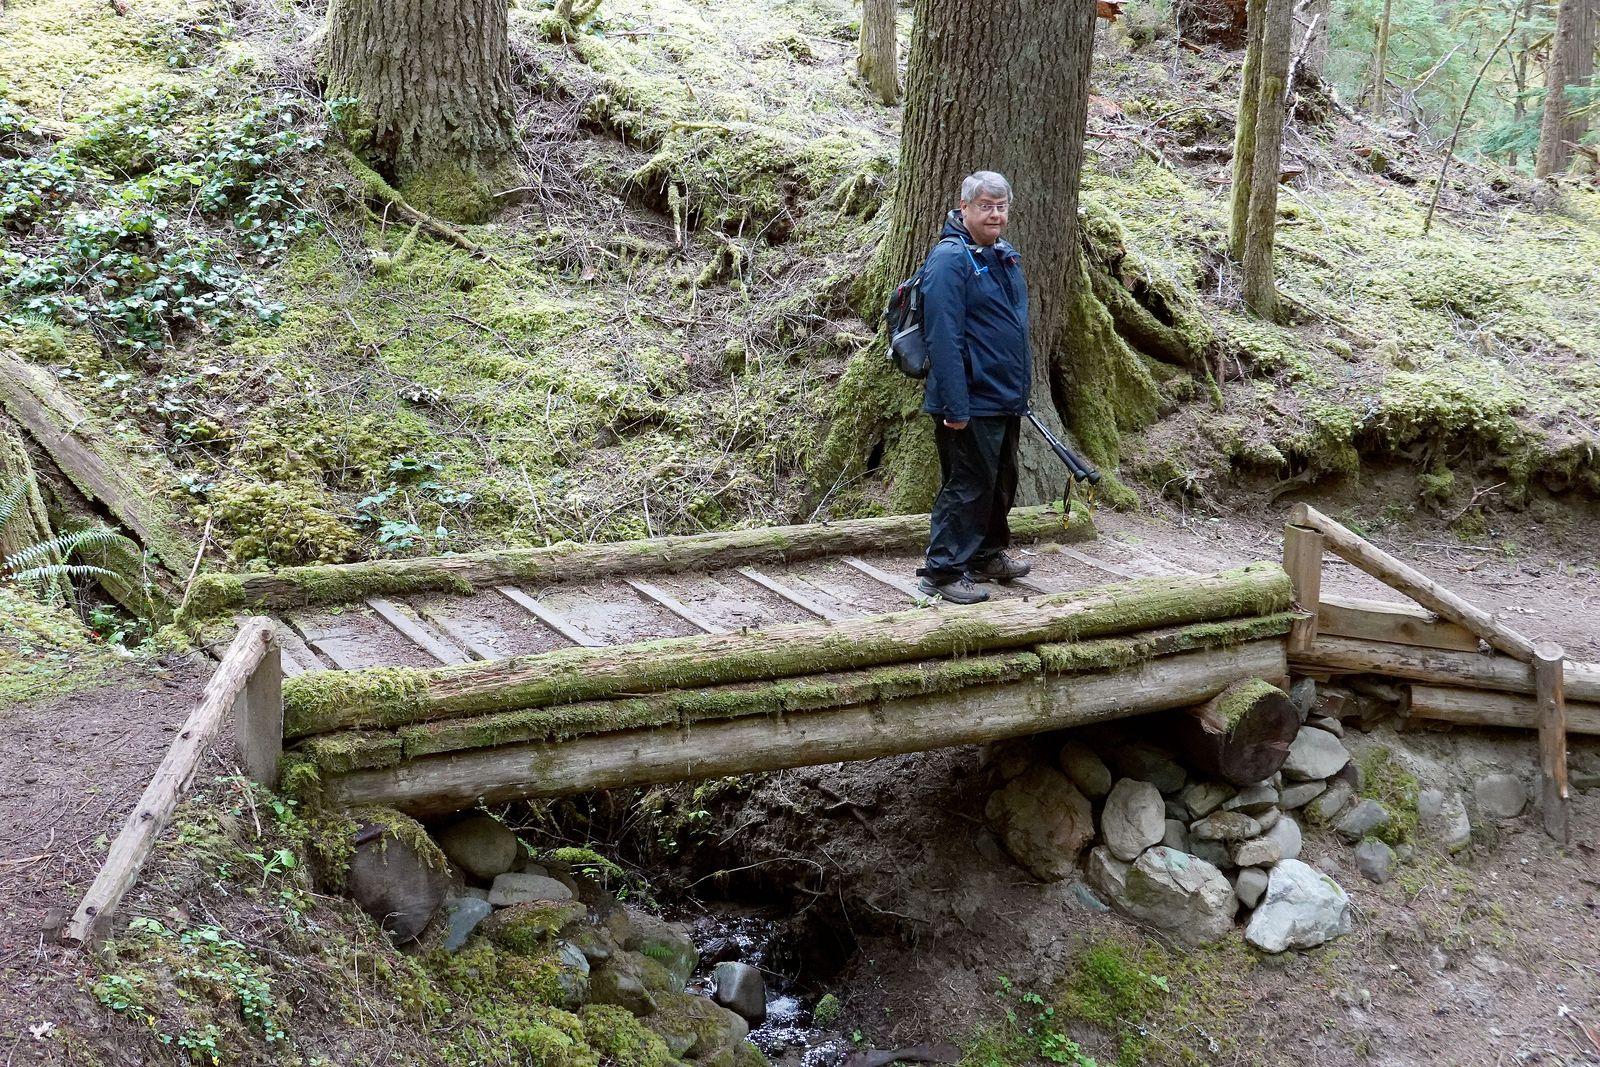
(1242, 735)
(1552, 704)
(258, 718)
(1302, 558)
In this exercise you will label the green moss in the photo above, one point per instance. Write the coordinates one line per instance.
(826, 1015)
(406, 830)
(1390, 784)
(1116, 653)
(351, 750)
(317, 702)
(621, 1039)
(584, 861)
(44, 650)
(531, 928)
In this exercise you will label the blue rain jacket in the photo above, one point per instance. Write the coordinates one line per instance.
(975, 321)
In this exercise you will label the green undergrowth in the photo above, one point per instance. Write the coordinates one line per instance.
(44, 650)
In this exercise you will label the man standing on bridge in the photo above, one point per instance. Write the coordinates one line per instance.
(975, 321)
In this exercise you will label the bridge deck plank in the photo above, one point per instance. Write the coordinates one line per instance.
(552, 619)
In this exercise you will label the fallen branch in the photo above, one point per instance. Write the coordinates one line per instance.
(1450, 151)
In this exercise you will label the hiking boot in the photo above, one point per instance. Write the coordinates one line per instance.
(955, 590)
(999, 568)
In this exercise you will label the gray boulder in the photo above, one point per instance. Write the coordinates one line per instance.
(695, 1028)
(1249, 885)
(1105, 872)
(741, 989)
(1133, 818)
(573, 976)
(1314, 754)
(1282, 842)
(620, 982)
(1303, 695)
(1333, 726)
(1268, 819)
(1500, 796)
(1086, 770)
(396, 884)
(463, 914)
(1150, 764)
(1300, 794)
(1179, 893)
(1331, 804)
(1043, 821)
(667, 943)
(1213, 852)
(1253, 800)
(480, 845)
(1367, 817)
(1203, 798)
(1224, 826)
(1444, 817)
(522, 888)
(1302, 909)
(1375, 860)
(1176, 835)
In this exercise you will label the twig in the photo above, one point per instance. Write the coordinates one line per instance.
(1450, 151)
(1300, 55)
(205, 538)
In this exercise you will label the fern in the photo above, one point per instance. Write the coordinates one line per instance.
(11, 501)
(44, 563)
(63, 545)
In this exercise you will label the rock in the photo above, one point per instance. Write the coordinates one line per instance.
(1253, 800)
(1268, 819)
(1105, 872)
(1043, 821)
(521, 887)
(1351, 772)
(1203, 798)
(1133, 818)
(620, 982)
(1176, 835)
(573, 976)
(1444, 817)
(741, 989)
(1248, 887)
(1367, 817)
(1300, 794)
(1224, 826)
(1302, 909)
(1331, 804)
(1087, 898)
(1375, 860)
(1213, 852)
(463, 914)
(695, 1028)
(1179, 893)
(595, 942)
(481, 845)
(530, 926)
(1147, 763)
(1314, 754)
(1333, 726)
(1282, 842)
(1303, 695)
(1583, 771)
(667, 943)
(1500, 796)
(1177, 809)
(394, 883)
(1085, 769)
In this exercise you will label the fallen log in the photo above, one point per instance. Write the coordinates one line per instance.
(1472, 708)
(95, 465)
(1242, 734)
(396, 696)
(1440, 667)
(440, 784)
(292, 587)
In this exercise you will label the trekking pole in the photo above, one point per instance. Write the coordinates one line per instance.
(1079, 470)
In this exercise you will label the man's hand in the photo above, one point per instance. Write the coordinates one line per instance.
(962, 425)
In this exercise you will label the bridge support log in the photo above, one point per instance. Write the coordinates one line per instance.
(336, 700)
(1242, 734)
(445, 783)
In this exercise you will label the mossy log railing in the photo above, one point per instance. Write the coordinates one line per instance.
(215, 594)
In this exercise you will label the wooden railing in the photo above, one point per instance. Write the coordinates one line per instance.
(1387, 639)
(249, 680)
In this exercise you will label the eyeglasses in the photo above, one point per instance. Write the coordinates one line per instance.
(985, 208)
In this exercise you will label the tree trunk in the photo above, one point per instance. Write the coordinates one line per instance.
(1260, 286)
(1241, 735)
(1244, 131)
(29, 523)
(1314, 60)
(1380, 65)
(432, 83)
(1570, 66)
(879, 60)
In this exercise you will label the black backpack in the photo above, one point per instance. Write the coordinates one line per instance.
(908, 350)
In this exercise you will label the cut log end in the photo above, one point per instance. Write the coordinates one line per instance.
(1242, 734)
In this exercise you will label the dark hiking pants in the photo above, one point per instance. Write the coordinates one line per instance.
(978, 481)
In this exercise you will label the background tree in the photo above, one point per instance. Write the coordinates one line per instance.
(1380, 61)
(1258, 152)
(431, 82)
(879, 59)
(1570, 66)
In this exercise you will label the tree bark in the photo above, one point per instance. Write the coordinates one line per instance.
(1260, 285)
(1019, 109)
(432, 83)
(1244, 131)
(1571, 64)
(1380, 64)
(29, 523)
(1242, 734)
(879, 59)
(1314, 57)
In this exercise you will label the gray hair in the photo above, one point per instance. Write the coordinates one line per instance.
(984, 182)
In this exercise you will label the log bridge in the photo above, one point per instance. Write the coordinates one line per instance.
(433, 685)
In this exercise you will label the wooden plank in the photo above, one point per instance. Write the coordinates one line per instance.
(793, 596)
(893, 581)
(1470, 707)
(258, 719)
(345, 651)
(294, 655)
(657, 595)
(92, 921)
(1302, 558)
(1412, 582)
(1552, 713)
(444, 783)
(1104, 565)
(460, 631)
(1391, 622)
(548, 617)
(413, 630)
(1440, 667)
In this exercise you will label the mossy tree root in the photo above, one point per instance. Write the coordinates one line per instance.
(375, 188)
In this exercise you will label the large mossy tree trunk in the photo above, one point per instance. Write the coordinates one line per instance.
(28, 522)
(1259, 153)
(432, 85)
(879, 58)
(1571, 65)
(1017, 106)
